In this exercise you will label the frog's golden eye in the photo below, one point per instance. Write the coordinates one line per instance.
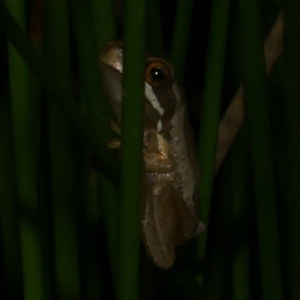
(158, 74)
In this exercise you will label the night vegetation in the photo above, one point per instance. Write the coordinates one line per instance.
(70, 209)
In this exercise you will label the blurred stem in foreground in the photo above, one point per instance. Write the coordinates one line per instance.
(60, 94)
(257, 112)
(181, 36)
(291, 89)
(131, 149)
(211, 110)
(64, 191)
(26, 171)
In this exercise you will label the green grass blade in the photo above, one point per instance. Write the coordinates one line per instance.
(96, 104)
(154, 37)
(10, 237)
(210, 108)
(109, 208)
(104, 21)
(30, 233)
(105, 31)
(131, 150)
(241, 259)
(47, 75)
(257, 110)
(181, 35)
(290, 84)
(87, 49)
(62, 166)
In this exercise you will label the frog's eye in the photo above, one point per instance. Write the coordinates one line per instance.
(158, 74)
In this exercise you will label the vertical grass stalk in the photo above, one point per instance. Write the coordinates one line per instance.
(10, 237)
(47, 74)
(30, 234)
(131, 149)
(241, 252)
(211, 108)
(64, 191)
(181, 35)
(107, 192)
(290, 84)
(103, 21)
(154, 36)
(257, 110)
(97, 105)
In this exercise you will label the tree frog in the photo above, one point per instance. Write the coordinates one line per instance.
(169, 214)
(169, 207)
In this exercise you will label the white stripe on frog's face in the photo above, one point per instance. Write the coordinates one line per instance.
(159, 125)
(153, 99)
(155, 104)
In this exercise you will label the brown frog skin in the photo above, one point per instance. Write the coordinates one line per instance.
(169, 212)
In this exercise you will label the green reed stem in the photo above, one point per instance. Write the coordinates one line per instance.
(25, 167)
(257, 109)
(181, 36)
(290, 84)
(63, 186)
(105, 26)
(105, 29)
(58, 92)
(131, 150)
(239, 188)
(211, 108)
(10, 234)
(89, 67)
(97, 106)
(154, 37)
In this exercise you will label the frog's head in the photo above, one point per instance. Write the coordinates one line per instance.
(160, 97)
